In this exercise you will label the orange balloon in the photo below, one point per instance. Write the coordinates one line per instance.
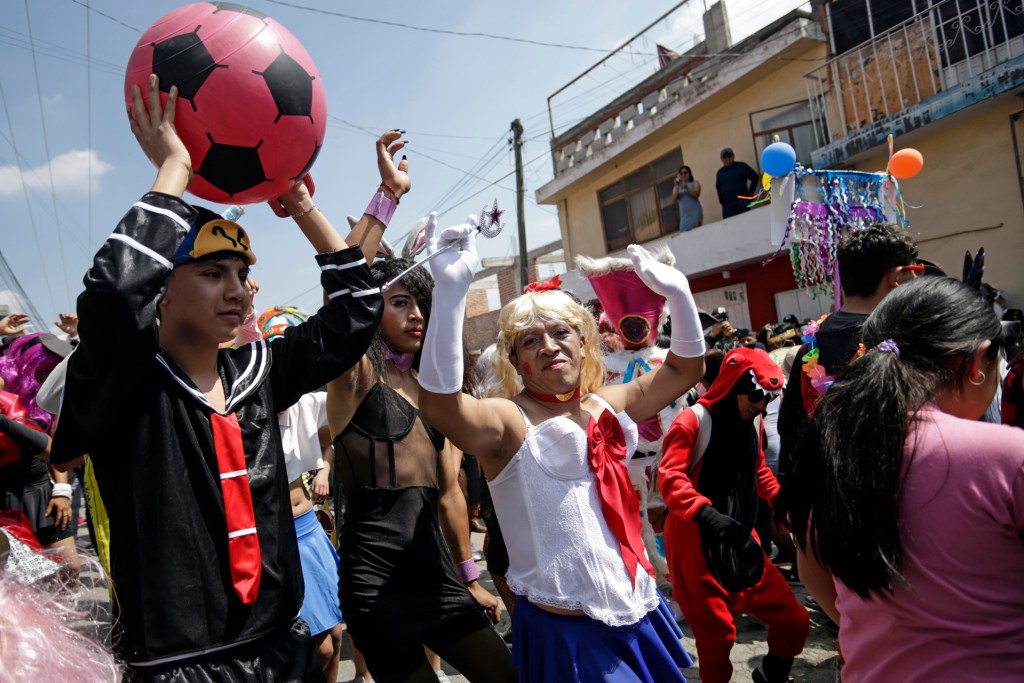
(906, 163)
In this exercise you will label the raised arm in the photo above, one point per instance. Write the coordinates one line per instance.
(367, 232)
(684, 364)
(353, 304)
(153, 127)
(480, 427)
(118, 307)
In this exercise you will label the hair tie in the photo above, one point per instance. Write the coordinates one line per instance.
(889, 346)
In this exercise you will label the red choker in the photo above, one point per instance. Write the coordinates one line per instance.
(556, 398)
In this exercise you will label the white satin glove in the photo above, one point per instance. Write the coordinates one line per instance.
(455, 267)
(663, 279)
(441, 359)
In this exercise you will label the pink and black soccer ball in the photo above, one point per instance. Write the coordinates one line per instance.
(251, 106)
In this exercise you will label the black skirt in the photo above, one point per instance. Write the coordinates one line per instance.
(31, 500)
(398, 579)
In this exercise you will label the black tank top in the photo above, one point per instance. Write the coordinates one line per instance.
(383, 420)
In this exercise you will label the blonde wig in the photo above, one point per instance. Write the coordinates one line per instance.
(547, 306)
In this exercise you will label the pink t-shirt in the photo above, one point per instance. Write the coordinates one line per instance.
(962, 616)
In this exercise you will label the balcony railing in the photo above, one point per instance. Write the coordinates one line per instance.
(943, 46)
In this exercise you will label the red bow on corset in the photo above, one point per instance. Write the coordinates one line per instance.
(606, 450)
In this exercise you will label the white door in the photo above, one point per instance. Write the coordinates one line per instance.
(733, 297)
(800, 303)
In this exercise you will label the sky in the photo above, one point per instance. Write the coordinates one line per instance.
(64, 131)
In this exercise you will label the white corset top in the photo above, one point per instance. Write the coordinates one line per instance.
(561, 551)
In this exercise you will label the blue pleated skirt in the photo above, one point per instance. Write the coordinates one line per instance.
(555, 648)
(319, 608)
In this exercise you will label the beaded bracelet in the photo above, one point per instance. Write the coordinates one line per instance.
(392, 191)
(308, 211)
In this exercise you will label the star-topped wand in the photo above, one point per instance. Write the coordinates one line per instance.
(490, 225)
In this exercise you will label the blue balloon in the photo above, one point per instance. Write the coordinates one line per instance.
(778, 159)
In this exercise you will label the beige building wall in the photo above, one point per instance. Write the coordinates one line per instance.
(721, 121)
(969, 194)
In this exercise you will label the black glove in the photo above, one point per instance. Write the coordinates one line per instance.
(31, 441)
(723, 527)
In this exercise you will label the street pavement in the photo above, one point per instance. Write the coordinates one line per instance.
(817, 663)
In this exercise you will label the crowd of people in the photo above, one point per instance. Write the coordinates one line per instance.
(639, 456)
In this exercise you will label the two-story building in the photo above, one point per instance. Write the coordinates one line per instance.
(943, 77)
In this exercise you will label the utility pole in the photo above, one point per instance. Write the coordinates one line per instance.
(517, 145)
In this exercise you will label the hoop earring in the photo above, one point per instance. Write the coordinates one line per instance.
(980, 381)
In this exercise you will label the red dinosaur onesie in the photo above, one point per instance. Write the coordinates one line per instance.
(728, 476)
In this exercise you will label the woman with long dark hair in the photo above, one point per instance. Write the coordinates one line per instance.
(686, 193)
(908, 511)
(401, 589)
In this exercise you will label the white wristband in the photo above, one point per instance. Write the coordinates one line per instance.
(61, 491)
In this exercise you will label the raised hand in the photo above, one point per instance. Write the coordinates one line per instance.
(456, 266)
(68, 324)
(13, 325)
(663, 279)
(153, 127)
(395, 177)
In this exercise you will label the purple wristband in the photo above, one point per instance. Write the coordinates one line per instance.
(468, 571)
(381, 208)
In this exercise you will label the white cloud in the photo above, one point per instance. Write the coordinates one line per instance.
(70, 173)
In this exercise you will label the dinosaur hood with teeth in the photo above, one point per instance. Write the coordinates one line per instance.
(753, 369)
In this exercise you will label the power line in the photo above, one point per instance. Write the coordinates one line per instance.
(28, 202)
(12, 281)
(88, 122)
(466, 34)
(491, 184)
(105, 15)
(421, 153)
(484, 165)
(21, 40)
(49, 160)
(61, 204)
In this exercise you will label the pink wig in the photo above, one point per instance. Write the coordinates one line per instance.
(24, 365)
(38, 645)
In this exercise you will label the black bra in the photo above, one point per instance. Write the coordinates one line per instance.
(384, 415)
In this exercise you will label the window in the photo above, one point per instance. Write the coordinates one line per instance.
(639, 208)
(856, 21)
(792, 123)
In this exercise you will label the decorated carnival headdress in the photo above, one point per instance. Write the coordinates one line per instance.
(632, 308)
(274, 321)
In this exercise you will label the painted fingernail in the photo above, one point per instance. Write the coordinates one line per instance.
(404, 157)
(402, 132)
(394, 130)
